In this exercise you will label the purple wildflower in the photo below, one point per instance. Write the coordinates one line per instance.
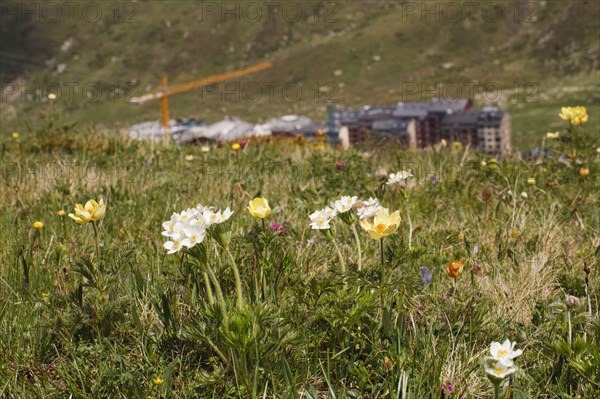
(448, 388)
(273, 226)
(433, 179)
(427, 274)
(340, 165)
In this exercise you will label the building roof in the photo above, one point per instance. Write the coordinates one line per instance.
(461, 119)
(411, 110)
(491, 116)
(391, 125)
(441, 105)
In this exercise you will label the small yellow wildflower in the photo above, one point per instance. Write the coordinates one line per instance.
(457, 146)
(15, 135)
(531, 181)
(514, 234)
(236, 146)
(584, 171)
(158, 381)
(553, 135)
(38, 225)
(61, 213)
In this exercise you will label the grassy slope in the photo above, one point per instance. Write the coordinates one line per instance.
(558, 49)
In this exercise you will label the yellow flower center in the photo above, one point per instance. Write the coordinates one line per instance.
(380, 228)
(176, 244)
(502, 352)
(498, 371)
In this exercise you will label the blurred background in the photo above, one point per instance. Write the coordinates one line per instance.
(529, 57)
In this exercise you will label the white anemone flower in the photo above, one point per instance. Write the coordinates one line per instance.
(498, 370)
(185, 216)
(219, 216)
(505, 352)
(172, 228)
(198, 222)
(369, 208)
(173, 246)
(371, 202)
(368, 212)
(319, 220)
(226, 214)
(211, 217)
(193, 212)
(395, 178)
(193, 236)
(345, 203)
(201, 208)
(330, 211)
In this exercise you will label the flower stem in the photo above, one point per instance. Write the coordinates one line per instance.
(570, 337)
(238, 281)
(218, 290)
(496, 391)
(209, 293)
(381, 246)
(96, 237)
(342, 263)
(358, 246)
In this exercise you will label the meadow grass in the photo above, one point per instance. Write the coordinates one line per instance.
(126, 320)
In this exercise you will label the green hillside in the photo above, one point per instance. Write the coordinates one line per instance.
(530, 57)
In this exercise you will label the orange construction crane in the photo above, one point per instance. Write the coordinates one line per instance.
(166, 91)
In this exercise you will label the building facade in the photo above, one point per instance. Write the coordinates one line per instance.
(424, 124)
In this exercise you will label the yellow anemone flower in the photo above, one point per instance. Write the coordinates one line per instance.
(454, 269)
(259, 208)
(575, 115)
(61, 213)
(383, 224)
(15, 135)
(236, 146)
(158, 381)
(38, 225)
(92, 212)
